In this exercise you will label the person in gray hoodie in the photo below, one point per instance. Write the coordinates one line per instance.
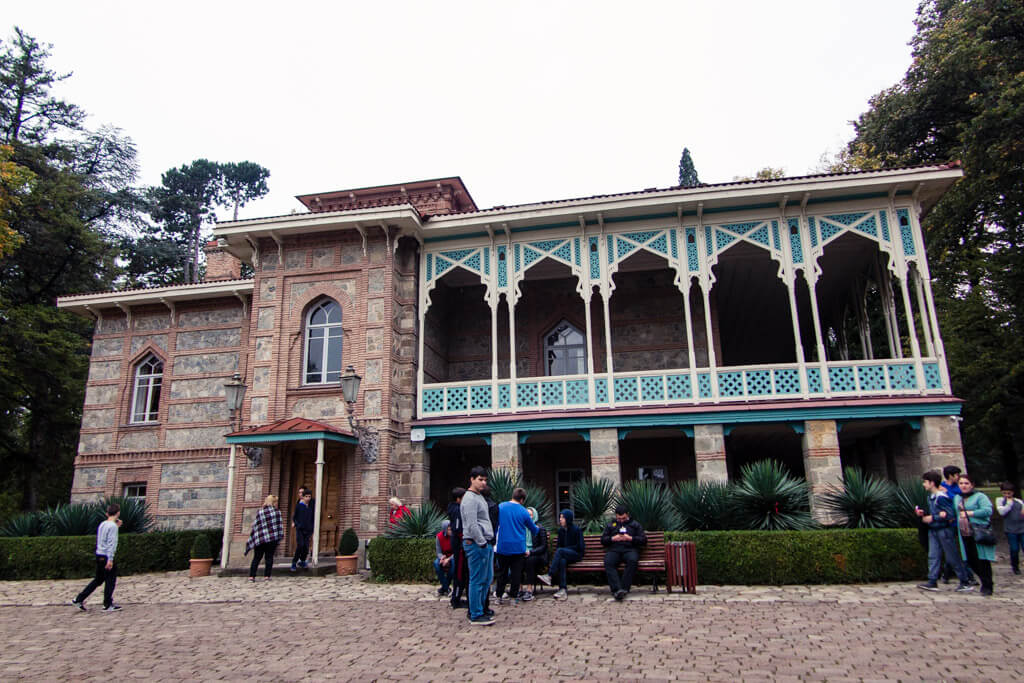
(477, 534)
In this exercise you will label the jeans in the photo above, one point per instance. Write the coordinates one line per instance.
(481, 573)
(942, 542)
(263, 550)
(302, 537)
(563, 558)
(1016, 542)
(108, 577)
(444, 574)
(510, 570)
(612, 559)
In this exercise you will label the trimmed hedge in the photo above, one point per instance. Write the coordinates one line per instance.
(822, 556)
(72, 557)
(805, 557)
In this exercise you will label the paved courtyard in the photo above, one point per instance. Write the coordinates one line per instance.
(332, 628)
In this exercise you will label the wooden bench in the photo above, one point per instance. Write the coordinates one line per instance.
(652, 557)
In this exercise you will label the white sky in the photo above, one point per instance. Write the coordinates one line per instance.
(525, 101)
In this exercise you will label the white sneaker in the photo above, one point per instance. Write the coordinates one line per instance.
(545, 579)
(560, 594)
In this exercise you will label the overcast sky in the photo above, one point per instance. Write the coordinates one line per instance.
(525, 101)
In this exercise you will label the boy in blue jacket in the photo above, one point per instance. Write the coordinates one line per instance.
(942, 539)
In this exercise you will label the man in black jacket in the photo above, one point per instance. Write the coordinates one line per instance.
(622, 538)
(302, 520)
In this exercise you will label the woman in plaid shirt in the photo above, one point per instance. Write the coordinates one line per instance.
(266, 532)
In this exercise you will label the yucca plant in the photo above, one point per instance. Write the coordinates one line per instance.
(135, 516)
(25, 524)
(592, 500)
(863, 501)
(422, 522)
(909, 494)
(702, 506)
(768, 498)
(502, 482)
(648, 503)
(74, 519)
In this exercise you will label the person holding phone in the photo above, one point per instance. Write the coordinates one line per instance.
(623, 538)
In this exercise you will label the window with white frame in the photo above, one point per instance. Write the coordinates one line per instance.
(149, 377)
(323, 344)
(565, 350)
(135, 490)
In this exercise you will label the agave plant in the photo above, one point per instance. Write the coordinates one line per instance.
(909, 494)
(421, 522)
(74, 519)
(768, 498)
(592, 499)
(648, 503)
(135, 516)
(537, 498)
(863, 502)
(502, 482)
(25, 524)
(702, 506)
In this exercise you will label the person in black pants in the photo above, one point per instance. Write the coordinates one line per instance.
(106, 571)
(537, 560)
(302, 520)
(623, 538)
(460, 571)
(267, 531)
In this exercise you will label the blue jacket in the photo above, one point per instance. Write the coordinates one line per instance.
(513, 521)
(941, 502)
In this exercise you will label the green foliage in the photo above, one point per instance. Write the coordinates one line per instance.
(73, 557)
(349, 543)
(402, 559)
(502, 482)
(592, 500)
(768, 498)
(200, 549)
(687, 171)
(10, 503)
(649, 503)
(863, 501)
(910, 494)
(537, 498)
(134, 513)
(702, 506)
(75, 519)
(823, 556)
(422, 522)
(25, 524)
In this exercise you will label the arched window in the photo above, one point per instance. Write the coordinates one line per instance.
(323, 344)
(565, 350)
(149, 376)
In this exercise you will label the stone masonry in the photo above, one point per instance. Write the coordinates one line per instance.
(822, 466)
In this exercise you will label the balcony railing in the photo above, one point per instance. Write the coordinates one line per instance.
(681, 387)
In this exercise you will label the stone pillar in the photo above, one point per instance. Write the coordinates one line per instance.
(821, 463)
(709, 448)
(938, 443)
(604, 455)
(505, 452)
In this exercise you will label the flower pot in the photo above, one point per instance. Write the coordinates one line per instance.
(199, 567)
(346, 564)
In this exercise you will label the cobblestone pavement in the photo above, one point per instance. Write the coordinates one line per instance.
(332, 628)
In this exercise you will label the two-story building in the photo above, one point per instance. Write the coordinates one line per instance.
(668, 334)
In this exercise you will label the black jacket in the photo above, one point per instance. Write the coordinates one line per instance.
(455, 517)
(303, 517)
(570, 536)
(632, 528)
(540, 545)
(492, 512)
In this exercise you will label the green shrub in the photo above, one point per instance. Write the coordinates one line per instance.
(702, 506)
(822, 556)
(768, 498)
(421, 522)
(402, 559)
(863, 502)
(349, 543)
(201, 548)
(73, 557)
(649, 503)
(592, 499)
(75, 519)
(23, 525)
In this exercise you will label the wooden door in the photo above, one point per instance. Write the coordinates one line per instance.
(304, 472)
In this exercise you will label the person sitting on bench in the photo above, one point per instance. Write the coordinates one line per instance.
(623, 538)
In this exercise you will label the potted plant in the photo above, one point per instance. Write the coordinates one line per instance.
(347, 558)
(202, 557)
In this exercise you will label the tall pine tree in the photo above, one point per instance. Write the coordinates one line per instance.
(687, 171)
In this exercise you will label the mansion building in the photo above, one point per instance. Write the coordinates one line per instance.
(664, 334)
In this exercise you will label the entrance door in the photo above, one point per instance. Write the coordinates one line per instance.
(304, 472)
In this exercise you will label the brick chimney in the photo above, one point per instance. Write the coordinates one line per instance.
(220, 265)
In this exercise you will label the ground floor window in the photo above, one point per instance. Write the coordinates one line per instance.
(656, 473)
(135, 490)
(564, 481)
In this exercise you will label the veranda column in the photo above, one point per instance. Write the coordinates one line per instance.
(691, 353)
(709, 449)
(513, 393)
(938, 443)
(590, 345)
(609, 367)
(604, 455)
(797, 340)
(822, 362)
(319, 500)
(705, 290)
(505, 452)
(923, 311)
(494, 352)
(226, 537)
(915, 346)
(822, 466)
(940, 348)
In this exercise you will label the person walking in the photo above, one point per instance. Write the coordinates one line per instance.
(941, 520)
(512, 550)
(302, 520)
(267, 532)
(477, 534)
(106, 571)
(1012, 511)
(975, 513)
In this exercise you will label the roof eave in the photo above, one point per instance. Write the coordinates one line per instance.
(89, 305)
